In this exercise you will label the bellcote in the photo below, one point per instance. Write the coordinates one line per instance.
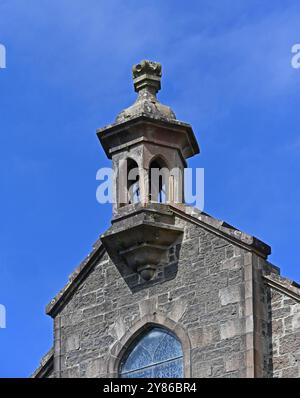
(148, 147)
(147, 134)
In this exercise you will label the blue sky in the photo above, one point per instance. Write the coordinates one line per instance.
(226, 70)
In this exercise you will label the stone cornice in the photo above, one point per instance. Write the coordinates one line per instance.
(106, 133)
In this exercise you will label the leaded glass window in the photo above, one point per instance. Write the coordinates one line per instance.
(156, 353)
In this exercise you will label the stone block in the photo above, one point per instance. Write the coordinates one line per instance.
(234, 263)
(72, 342)
(232, 364)
(230, 294)
(95, 368)
(230, 329)
(296, 317)
(148, 306)
(280, 362)
(202, 370)
(178, 309)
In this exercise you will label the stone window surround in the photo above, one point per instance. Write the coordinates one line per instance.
(148, 321)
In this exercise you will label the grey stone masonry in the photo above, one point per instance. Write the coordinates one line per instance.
(284, 327)
(216, 291)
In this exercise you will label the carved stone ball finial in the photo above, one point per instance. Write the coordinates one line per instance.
(147, 74)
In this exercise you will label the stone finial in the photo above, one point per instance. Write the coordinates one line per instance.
(146, 78)
(147, 74)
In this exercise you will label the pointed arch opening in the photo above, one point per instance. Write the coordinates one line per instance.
(133, 182)
(159, 175)
(155, 353)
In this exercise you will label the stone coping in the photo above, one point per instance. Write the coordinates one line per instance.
(45, 364)
(284, 285)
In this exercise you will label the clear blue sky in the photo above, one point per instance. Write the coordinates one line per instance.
(226, 70)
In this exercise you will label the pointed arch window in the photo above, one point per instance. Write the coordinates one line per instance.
(156, 353)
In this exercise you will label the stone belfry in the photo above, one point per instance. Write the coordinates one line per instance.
(168, 290)
(147, 141)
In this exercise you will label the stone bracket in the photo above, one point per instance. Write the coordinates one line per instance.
(141, 242)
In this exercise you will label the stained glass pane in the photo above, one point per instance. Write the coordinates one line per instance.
(152, 339)
(141, 374)
(172, 369)
(168, 348)
(157, 353)
(138, 358)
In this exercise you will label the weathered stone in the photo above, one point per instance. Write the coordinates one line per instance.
(291, 372)
(231, 264)
(296, 318)
(95, 368)
(148, 306)
(231, 294)
(72, 342)
(232, 364)
(230, 329)
(277, 326)
(203, 371)
(280, 362)
(289, 343)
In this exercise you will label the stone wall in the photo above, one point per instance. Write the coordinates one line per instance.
(200, 291)
(284, 313)
(232, 311)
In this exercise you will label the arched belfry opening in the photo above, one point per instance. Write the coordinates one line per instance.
(149, 139)
(159, 175)
(133, 182)
(127, 182)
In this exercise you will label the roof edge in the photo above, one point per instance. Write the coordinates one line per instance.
(46, 365)
(248, 242)
(284, 285)
(144, 118)
(75, 279)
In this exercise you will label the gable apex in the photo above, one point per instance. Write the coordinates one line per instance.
(190, 214)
